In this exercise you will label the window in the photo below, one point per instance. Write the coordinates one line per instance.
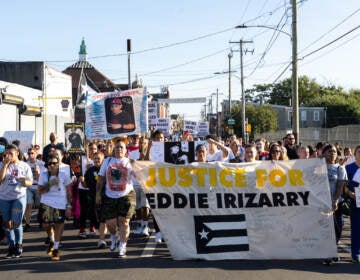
(303, 115)
(289, 116)
(316, 116)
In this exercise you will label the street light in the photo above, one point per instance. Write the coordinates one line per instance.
(264, 26)
(294, 77)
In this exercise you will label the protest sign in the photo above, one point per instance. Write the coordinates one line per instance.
(110, 114)
(262, 210)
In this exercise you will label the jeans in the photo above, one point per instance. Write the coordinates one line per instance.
(13, 210)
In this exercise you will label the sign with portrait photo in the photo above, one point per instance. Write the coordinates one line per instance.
(74, 137)
(110, 114)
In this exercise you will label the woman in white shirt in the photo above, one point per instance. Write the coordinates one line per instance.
(116, 176)
(54, 186)
(15, 177)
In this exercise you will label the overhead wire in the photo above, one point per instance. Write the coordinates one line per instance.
(330, 30)
(271, 42)
(185, 63)
(331, 42)
(317, 50)
(331, 50)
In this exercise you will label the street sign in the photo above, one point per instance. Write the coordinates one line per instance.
(248, 128)
(231, 121)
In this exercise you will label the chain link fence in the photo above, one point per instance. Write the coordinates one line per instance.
(346, 136)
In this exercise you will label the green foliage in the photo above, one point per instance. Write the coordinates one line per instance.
(342, 107)
(262, 118)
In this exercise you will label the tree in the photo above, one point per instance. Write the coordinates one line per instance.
(261, 117)
(342, 107)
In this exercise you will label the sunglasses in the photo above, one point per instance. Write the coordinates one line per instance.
(276, 151)
(30, 153)
(52, 163)
(291, 138)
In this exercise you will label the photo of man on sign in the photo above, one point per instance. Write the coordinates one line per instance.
(120, 115)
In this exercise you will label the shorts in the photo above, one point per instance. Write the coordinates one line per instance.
(141, 200)
(119, 207)
(99, 210)
(32, 197)
(13, 210)
(51, 215)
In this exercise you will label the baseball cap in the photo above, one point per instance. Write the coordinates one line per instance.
(116, 101)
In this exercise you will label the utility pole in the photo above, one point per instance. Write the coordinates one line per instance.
(230, 55)
(295, 84)
(217, 110)
(128, 45)
(243, 101)
(205, 117)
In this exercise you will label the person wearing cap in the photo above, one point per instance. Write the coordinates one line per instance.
(15, 177)
(119, 120)
(54, 186)
(187, 136)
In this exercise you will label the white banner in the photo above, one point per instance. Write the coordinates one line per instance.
(152, 113)
(190, 126)
(263, 210)
(26, 138)
(203, 128)
(109, 114)
(182, 100)
(163, 124)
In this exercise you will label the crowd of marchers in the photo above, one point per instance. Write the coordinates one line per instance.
(98, 191)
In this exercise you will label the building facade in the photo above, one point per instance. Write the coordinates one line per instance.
(52, 96)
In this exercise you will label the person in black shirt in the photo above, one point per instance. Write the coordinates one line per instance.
(291, 147)
(90, 180)
(53, 145)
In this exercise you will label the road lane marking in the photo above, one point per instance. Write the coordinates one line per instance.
(149, 248)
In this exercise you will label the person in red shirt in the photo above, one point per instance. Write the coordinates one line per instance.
(260, 148)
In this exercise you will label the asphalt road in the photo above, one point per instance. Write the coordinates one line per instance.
(147, 260)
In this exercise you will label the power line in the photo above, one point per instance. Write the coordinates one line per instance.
(282, 73)
(331, 42)
(266, 13)
(271, 42)
(315, 51)
(185, 63)
(331, 50)
(169, 45)
(326, 33)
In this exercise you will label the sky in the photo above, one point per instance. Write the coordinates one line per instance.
(181, 44)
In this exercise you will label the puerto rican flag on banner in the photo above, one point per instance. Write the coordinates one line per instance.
(220, 233)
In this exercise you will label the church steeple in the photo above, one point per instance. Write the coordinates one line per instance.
(82, 52)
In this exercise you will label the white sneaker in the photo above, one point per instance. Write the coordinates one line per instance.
(101, 244)
(138, 229)
(145, 231)
(122, 251)
(158, 237)
(113, 243)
